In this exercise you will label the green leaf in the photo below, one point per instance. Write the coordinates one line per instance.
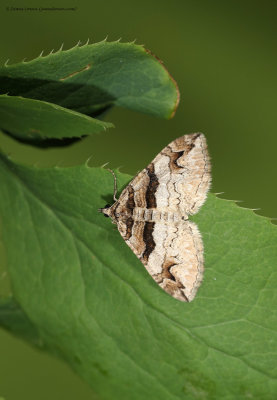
(34, 120)
(94, 304)
(14, 319)
(92, 78)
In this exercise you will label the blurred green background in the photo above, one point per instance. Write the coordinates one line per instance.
(222, 55)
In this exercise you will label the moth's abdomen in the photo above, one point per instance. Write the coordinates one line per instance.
(150, 214)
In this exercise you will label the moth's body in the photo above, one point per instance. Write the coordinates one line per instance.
(152, 215)
(144, 214)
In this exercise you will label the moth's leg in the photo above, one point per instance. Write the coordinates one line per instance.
(115, 184)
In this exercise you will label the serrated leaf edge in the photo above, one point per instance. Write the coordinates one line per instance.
(60, 50)
(117, 169)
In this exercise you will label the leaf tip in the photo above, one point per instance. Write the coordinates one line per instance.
(108, 125)
(86, 43)
(77, 45)
(88, 160)
(104, 165)
(104, 40)
(60, 49)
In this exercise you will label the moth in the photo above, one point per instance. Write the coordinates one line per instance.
(152, 213)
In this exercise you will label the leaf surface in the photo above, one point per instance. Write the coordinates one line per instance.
(34, 120)
(95, 305)
(91, 78)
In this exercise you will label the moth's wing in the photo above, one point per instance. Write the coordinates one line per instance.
(183, 173)
(172, 254)
(177, 180)
(183, 266)
(134, 194)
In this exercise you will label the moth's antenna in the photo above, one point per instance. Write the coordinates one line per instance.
(115, 184)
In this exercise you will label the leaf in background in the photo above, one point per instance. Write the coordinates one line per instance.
(95, 305)
(34, 120)
(92, 78)
(13, 318)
